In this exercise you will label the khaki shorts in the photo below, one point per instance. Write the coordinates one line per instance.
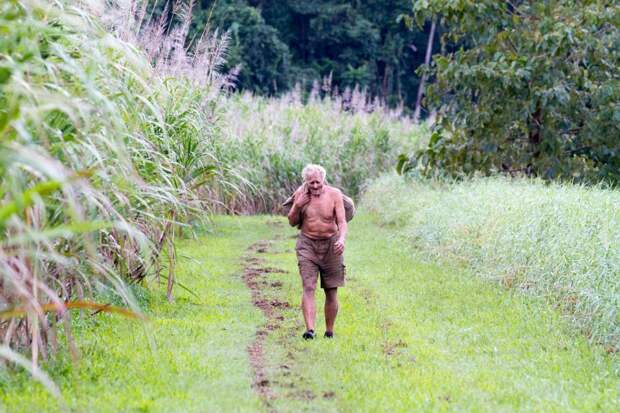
(317, 256)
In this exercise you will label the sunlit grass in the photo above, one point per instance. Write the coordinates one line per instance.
(412, 336)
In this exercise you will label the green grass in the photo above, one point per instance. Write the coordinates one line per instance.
(556, 241)
(197, 361)
(410, 336)
(415, 336)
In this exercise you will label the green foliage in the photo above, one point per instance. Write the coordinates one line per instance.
(559, 242)
(532, 87)
(101, 157)
(255, 48)
(281, 43)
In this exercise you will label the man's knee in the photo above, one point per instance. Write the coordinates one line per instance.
(309, 289)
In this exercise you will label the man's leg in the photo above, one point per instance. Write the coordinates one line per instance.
(308, 304)
(331, 308)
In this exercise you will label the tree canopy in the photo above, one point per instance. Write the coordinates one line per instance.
(531, 87)
(277, 44)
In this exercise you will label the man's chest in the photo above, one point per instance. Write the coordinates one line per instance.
(320, 207)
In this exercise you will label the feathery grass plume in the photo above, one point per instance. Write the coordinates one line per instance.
(558, 241)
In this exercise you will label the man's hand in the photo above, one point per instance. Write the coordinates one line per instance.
(339, 247)
(302, 197)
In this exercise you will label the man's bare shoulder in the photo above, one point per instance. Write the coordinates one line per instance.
(333, 192)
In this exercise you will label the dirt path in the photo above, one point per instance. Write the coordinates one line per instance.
(254, 276)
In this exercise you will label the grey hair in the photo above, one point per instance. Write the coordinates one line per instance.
(311, 169)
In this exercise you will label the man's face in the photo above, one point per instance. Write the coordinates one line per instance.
(315, 184)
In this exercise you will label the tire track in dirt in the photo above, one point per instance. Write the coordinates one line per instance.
(255, 277)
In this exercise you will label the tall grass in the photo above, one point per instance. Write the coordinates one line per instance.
(560, 242)
(267, 142)
(102, 158)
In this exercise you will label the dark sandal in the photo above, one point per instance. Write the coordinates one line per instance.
(308, 335)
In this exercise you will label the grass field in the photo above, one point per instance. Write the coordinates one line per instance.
(410, 336)
(560, 242)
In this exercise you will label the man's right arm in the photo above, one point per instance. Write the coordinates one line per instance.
(300, 199)
(294, 215)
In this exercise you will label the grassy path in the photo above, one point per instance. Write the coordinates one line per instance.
(191, 357)
(410, 336)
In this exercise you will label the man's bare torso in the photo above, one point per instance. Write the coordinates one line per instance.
(319, 215)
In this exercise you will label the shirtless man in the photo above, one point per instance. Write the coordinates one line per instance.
(320, 244)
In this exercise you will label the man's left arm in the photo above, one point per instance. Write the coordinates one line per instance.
(341, 221)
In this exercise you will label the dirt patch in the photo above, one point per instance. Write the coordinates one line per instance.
(305, 395)
(269, 306)
(270, 382)
(257, 359)
(445, 398)
(275, 223)
(391, 348)
(269, 270)
(260, 247)
(254, 276)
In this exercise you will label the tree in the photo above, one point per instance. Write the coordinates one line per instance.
(354, 43)
(427, 61)
(532, 87)
(255, 46)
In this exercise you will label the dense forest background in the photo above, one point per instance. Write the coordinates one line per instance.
(276, 45)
